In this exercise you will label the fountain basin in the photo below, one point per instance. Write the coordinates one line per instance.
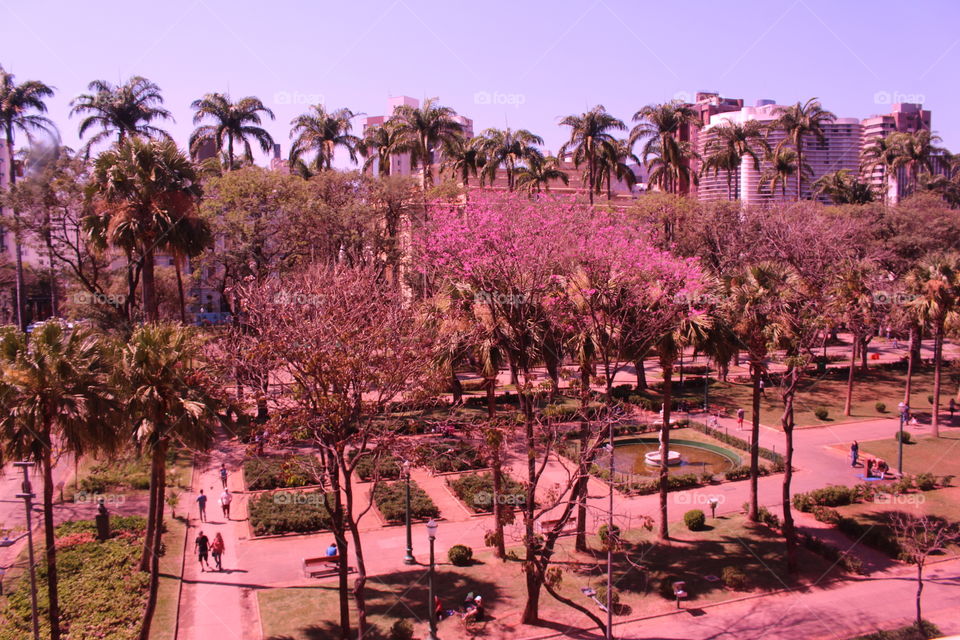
(653, 458)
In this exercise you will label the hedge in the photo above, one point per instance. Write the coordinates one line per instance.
(279, 512)
(391, 499)
(829, 496)
(878, 537)
(449, 455)
(386, 465)
(476, 491)
(281, 472)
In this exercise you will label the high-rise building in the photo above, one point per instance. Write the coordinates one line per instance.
(706, 105)
(903, 118)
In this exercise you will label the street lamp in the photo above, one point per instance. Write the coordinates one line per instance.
(900, 443)
(27, 496)
(432, 535)
(408, 559)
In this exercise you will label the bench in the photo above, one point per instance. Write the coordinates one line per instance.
(323, 566)
(569, 528)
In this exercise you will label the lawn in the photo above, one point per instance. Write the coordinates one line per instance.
(939, 456)
(829, 391)
(644, 573)
(168, 594)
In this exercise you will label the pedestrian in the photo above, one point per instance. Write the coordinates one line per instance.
(225, 500)
(202, 506)
(854, 453)
(223, 475)
(332, 549)
(217, 549)
(762, 390)
(740, 415)
(953, 407)
(202, 546)
(896, 342)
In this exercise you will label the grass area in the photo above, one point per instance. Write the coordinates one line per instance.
(904, 633)
(644, 572)
(128, 473)
(939, 456)
(829, 391)
(943, 503)
(168, 593)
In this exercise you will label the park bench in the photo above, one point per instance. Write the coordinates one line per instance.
(569, 528)
(322, 566)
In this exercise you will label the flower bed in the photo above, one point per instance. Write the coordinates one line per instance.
(391, 500)
(476, 491)
(281, 472)
(444, 456)
(385, 466)
(279, 512)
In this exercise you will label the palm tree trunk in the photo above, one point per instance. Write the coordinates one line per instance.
(531, 609)
(590, 177)
(157, 538)
(911, 358)
(51, 545)
(937, 357)
(664, 447)
(799, 168)
(581, 488)
(642, 375)
(755, 370)
(853, 365)
(148, 546)
(149, 288)
(18, 249)
(500, 549)
(230, 151)
(183, 311)
(789, 532)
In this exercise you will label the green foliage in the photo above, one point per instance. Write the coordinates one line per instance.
(880, 407)
(821, 413)
(733, 578)
(614, 596)
(927, 630)
(402, 629)
(602, 532)
(876, 536)
(645, 487)
(284, 472)
(476, 491)
(829, 496)
(279, 512)
(768, 518)
(848, 562)
(903, 436)
(386, 466)
(391, 500)
(460, 555)
(825, 514)
(694, 519)
(449, 455)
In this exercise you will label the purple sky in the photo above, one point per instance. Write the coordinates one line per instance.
(519, 63)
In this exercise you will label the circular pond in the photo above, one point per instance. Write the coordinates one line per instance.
(695, 457)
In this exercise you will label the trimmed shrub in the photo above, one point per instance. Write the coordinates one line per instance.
(449, 455)
(281, 472)
(878, 537)
(902, 436)
(677, 482)
(614, 596)
(278, 512)
(821, 413)
(733, 578)
(402, 629)
(767, 517)
(825, 514)
(829, 496)
(695, 520)
(880, 407)
(476, 491)
(391, 500)
(386, 466)
(925, 481)
(460, 555)
(602, 533)
(740, 472)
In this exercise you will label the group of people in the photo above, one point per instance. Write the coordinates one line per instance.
(876, 467)
(471, 610)
(202, 545)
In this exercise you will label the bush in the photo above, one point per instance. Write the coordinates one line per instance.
(677, 482)
(829, 496)
(614, 596)
(825, 514)
(925, 481)
(821, 413)
(767, 517)
(880, 407)
(927, 630)
(391, 499)
(281, 472)
(476, 491)
(602, 532)
(740, 472)
(386, 466)
(695, 520)
(878, 537)
(460, 555)
(902, 436)
(402, 629)
(930, 399)
(848, 562)
(733, 578)
(444, 456)
(279, 512)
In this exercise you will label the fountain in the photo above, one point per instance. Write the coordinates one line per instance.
(653, 457)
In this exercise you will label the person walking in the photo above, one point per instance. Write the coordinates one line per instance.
(202, 547)
(953, 407)
(225, 500)
(740, 415)
(202, 506)
(223, 475)
(763, 391)
(854, 453)
(217, 549)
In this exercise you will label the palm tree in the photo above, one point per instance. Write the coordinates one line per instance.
(380, 144)
(424, 130)
(935, 282)
(590, 137)
(880, 154)
(125, 110)
(169, 401)
(730, 144)
(852, 302)
(142, 190)
(54, 391)
(20, 108)
(781, 165)
(660, 126)
(463, 158)
(916, 152)
(613, 163)
(321, 132)
(798, 122)
(538, 173)
(508, 149)
(843, 188)
(238, 121)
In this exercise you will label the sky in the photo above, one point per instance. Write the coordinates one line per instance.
(517, 63)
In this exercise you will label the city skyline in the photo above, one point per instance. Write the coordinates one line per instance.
(557, 69)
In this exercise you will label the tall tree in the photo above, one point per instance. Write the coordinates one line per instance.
(463, 159)
(508, 149)
(539, 173)
(591, 135)
(424, 130)
(614, 163)
(843, 188)
(380, 144)
(232, 121)
(54, 392)
(141, 191)
(320, 132)
(799, 122)
(660, 126)
(730, 143)
(916, 152)
(781, 166)
(123, 110)
(21, 106)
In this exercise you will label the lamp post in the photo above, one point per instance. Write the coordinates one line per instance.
(408, 559)
(610, 541)
(432, 535)
(27, 496)
(900, 445)
(706, 384)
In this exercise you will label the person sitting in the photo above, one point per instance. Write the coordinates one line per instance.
(869, 468)
(467, 602)
(475, 612)
(438, 608)
(882, 468)
(332, 549)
